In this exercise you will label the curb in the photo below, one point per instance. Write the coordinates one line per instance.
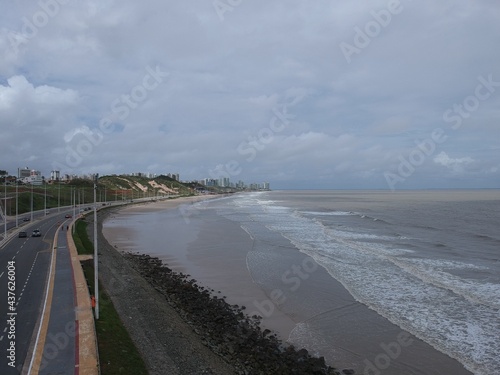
(86, 361)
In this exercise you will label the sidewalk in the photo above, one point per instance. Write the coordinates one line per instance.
(67, 334)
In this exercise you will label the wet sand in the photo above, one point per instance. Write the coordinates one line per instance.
(224, 270)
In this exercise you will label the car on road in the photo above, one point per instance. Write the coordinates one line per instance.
(22, 235)
(26, 219)
(36, 233)
(67, 216)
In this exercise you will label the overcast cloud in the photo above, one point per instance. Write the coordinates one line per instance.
(303, 94)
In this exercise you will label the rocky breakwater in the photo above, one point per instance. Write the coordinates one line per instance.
(225, 328)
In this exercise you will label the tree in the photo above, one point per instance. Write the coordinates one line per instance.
(3, 174)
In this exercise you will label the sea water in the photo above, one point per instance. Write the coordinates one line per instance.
(428, 262)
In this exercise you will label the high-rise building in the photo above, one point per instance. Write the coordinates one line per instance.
(54, 175)
(224, 182)
(23, 173)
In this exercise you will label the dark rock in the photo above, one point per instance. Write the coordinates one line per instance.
(224, 328)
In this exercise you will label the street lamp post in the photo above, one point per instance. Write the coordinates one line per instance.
(17, 199)
(74, 208)
(5, 208)
(96, 263)
(31, 200)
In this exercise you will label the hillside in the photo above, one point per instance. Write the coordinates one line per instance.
(133, 187)
(81, 191)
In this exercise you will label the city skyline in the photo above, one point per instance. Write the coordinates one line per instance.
(35, 177)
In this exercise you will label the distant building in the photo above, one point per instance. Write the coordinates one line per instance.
(54, 175)
(23, 173)
(209, 182)
(34, 178)
(224, 182)
(174, 176)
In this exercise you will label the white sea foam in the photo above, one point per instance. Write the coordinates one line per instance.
(351, 234)
(328, 213)
(435, 272)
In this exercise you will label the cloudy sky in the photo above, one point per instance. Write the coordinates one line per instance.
(303, 94)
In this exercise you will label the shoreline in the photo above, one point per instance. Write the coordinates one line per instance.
(235, 344)
(223, 269)
(191, 261)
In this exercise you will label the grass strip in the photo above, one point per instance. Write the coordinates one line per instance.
(82, 241)
(117, 352)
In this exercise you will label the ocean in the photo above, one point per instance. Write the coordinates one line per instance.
(403, 282)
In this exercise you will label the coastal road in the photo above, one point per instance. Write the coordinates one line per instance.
(24, 266)
(24, 269)
(24, 220)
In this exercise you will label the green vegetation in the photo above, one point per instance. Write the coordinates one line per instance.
(117, 352)
(46, 196)
(82, 241)
(134, 187)
(81, 191)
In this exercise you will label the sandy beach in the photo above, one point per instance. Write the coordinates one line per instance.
(193, 332)
(192, 259)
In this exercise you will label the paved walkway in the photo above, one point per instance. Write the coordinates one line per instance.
(60, 343)
(67, 341)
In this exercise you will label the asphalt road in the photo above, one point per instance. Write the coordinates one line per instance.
(11, 222)
(24, 266)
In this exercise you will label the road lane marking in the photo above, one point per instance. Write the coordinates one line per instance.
(36, 357)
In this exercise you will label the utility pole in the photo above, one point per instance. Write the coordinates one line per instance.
(17, 197)
(31, 200)
(96, 263)
(73, 192)
(5, 207)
